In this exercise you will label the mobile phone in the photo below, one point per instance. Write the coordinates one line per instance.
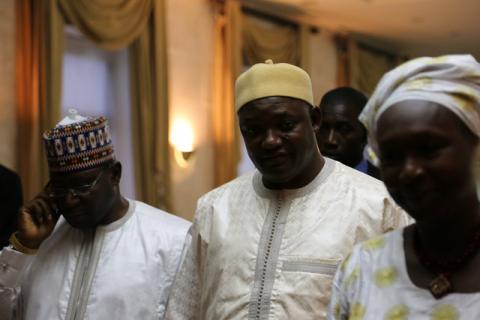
(56, 213)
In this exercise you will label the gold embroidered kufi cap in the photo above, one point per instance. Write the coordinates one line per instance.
(273, 79)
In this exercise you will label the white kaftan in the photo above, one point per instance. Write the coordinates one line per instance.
(256, 253)
(123, 270)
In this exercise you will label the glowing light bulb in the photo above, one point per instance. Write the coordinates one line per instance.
(182, 136)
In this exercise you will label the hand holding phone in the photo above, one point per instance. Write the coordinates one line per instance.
(36, 220)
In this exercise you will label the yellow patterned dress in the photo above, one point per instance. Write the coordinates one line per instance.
(373, 284)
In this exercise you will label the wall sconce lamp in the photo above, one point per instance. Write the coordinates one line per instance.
(182, 141)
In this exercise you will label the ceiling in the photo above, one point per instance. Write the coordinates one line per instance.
(411, 27)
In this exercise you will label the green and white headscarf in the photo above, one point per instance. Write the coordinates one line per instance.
(452, 81)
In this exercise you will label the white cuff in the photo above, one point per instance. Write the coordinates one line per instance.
(12, 264)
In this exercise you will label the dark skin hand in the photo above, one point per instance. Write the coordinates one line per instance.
(36, 221)
(426, 157)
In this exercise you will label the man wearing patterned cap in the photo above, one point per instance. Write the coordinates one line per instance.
(266, 245)
(82, 250)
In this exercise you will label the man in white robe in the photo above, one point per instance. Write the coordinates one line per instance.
(266, 245)
(82, 250)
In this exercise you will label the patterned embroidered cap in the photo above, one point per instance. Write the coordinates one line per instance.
(78, 143)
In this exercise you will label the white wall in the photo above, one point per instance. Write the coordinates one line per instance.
(190, 54)
(8, 120)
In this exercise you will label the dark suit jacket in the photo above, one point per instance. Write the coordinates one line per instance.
(10, 201)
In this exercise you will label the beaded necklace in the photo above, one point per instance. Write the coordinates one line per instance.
(442, 285)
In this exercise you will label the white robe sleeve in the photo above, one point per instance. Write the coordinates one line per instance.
(185, 295)
(394, 217)
(185, 300)
(171, 263)
(346, 285)
(338, 308)
(12, 266)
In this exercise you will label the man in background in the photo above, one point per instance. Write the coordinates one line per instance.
(10, 201)
(342, 137)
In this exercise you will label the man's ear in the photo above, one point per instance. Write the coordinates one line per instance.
(116, 172)
(316, 117)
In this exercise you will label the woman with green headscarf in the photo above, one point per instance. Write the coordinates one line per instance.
(423, 122)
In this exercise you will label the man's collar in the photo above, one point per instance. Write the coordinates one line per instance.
(264, 192)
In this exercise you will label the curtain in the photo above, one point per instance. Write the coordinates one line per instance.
(267, 39)
(305, 53)
(368, 65)
(110, 24)
(343, 63)
(323, 63)
(149, 83)
(226, 67)
(39, 48)
(114, 24)
(139, 24)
